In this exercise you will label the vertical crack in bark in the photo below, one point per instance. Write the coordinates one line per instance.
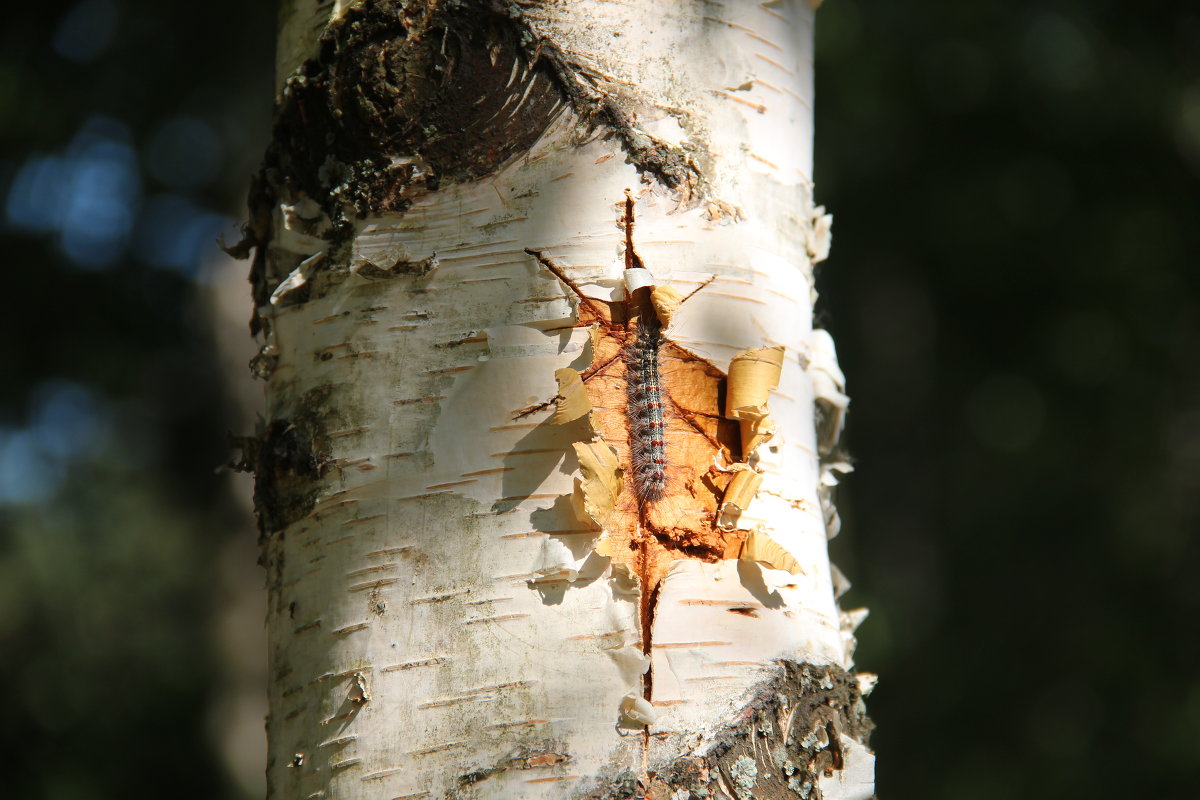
(638, 306)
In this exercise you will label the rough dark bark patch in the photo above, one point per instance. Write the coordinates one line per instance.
(783, 741)
(287, 457)
(402, 98)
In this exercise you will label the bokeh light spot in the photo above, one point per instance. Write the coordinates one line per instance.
(86, 31)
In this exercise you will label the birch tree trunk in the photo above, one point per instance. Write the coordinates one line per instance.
(469, 214)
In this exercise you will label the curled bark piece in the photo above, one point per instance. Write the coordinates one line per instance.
(819, 235)
(828, 389)
(855, 779)
(557, 562)
(636, 711)
(762, 548)
(738, 494)
(841, 584)
(637, 278)
(848, 624)
(852, 618)
(359, 693)
(756, 430)
(297, 278)
(752, 376)
(828, 480)
(665, 300)
(572, 401)
(596, 492)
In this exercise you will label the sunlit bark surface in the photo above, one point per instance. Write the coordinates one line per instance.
(446, 619)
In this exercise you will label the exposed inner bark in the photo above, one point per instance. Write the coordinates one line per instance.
(680, 521)
(649, 536)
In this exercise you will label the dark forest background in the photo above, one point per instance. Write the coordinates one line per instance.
(1013, 288)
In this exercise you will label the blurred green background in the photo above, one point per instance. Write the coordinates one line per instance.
(1013, 292)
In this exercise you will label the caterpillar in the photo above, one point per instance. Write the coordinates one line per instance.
(645, 398)
(644, 411)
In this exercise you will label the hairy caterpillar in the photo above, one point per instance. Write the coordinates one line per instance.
(644, 411)
(641, 339)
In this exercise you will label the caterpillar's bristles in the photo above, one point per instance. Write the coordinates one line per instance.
(647, 426)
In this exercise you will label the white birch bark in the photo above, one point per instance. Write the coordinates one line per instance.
(440, 625)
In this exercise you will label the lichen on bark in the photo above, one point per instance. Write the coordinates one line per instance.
(764, 753)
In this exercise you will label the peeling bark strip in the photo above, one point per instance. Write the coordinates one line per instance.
(624, 591)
